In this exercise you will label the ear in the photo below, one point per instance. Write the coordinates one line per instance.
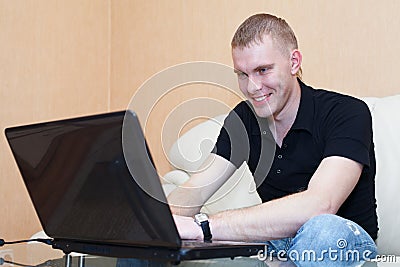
(295, 58)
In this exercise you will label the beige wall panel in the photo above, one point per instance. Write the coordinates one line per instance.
(53, 64)
(348, 46)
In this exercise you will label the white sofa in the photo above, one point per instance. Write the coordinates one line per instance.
(193, 147)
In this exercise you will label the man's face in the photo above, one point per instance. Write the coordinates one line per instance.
(265, 77)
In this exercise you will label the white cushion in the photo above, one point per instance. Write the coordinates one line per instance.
(192, 148)
(238, 192)
(386, 129)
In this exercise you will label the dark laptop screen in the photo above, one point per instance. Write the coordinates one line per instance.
(76, 174)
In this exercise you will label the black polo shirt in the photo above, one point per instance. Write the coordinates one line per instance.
(327, 124)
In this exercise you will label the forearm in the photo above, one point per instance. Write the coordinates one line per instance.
(282, 217)
(271, 220)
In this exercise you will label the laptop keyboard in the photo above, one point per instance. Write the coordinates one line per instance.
(199, 243)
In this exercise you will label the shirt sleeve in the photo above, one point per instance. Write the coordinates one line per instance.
(348, 131)
(233, 141)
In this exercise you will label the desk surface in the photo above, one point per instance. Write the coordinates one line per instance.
(37, 254)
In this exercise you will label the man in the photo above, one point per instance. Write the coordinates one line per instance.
(318, 193)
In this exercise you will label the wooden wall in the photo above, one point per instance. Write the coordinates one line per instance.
(62, 58)
(54, 63)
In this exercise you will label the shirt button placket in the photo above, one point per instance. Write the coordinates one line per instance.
(279, 171)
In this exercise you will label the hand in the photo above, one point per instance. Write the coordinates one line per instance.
(187, 227)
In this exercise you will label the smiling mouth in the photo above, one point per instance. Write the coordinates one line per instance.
(261, 98)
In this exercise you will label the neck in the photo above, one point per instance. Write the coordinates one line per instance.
(283, 121)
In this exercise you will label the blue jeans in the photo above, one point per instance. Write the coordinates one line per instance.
(325, 240)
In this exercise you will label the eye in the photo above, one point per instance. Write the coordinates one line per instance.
(262, 70)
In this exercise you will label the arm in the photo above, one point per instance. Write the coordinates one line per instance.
(329, 187)
(188, 198)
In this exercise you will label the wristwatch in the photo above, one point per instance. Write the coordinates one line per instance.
(202, 220)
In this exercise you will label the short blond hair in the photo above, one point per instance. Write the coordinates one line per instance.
(254, 29)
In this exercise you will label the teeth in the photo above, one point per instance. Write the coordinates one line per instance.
(260, 98)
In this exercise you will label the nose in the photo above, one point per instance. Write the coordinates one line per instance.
(253, 85)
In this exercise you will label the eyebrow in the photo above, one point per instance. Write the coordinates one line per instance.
(266, 66)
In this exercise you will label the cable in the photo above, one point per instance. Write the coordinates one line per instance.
(2, 261)
(46, 241)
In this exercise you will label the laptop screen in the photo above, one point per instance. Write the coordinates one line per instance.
(79, 182)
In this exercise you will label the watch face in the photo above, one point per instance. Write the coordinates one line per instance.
(201, 217)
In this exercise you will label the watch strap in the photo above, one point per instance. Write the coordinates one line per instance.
(205, 226)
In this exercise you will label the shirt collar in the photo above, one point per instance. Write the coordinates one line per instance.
(305, 114)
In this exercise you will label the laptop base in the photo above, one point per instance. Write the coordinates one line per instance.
(159, 253)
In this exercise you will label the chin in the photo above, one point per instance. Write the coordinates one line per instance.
(263, 113)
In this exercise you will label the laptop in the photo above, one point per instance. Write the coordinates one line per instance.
(96, 190)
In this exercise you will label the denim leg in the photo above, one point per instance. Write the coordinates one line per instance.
(330, 240)
(278, 248)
